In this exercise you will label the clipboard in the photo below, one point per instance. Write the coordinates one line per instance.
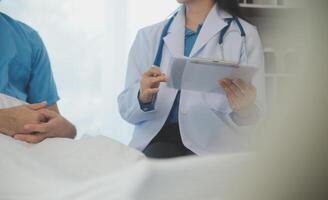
(203, 75)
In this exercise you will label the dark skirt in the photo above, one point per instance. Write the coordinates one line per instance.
(167, 144)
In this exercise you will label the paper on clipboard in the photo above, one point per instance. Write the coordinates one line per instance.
(197, 74)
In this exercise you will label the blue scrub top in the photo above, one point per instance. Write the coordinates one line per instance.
(25, 71)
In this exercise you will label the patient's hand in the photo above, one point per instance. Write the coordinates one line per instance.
(12, 120)
(56, 126)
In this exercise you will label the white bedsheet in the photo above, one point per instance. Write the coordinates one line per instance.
(100, 168)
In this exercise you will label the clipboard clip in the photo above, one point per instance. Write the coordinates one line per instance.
(213, 62)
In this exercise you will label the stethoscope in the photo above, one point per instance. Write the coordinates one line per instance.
(223, 33)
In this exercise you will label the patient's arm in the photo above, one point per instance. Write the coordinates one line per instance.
(12, 120)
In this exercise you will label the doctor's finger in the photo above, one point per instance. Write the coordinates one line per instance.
(34, 139)
(150, 73)
(233, 100)
(236, 91)
(230, 98)
(152, 91)
(247, 88)
(242, 85)
(159, 79)
(230, 94)
(154, 71)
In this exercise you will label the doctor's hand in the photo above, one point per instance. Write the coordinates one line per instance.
(241, 95)
(12, 120)
(56, 126)
(149, 84)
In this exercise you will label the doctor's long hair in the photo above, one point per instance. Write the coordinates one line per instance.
(230, 6)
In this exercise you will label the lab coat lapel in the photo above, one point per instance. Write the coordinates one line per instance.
(213, 24)
(175, 38)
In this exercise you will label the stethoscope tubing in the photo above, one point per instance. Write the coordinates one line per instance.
(224, 32)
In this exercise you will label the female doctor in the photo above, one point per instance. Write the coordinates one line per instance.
(171, 123)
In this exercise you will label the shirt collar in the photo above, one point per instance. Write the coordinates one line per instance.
(190, 32)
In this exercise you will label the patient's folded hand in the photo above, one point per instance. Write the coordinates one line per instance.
(55, 126)
(14, 119)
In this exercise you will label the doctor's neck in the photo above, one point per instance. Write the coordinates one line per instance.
(196, 12)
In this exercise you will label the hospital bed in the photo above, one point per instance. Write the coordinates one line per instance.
(100, 168)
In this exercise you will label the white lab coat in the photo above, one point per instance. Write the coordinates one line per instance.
(205, 122)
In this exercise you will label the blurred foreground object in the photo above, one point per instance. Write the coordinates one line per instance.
(293, 164)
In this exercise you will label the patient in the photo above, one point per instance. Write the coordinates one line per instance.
(25, 73)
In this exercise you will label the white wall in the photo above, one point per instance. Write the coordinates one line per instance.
(88, 43)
